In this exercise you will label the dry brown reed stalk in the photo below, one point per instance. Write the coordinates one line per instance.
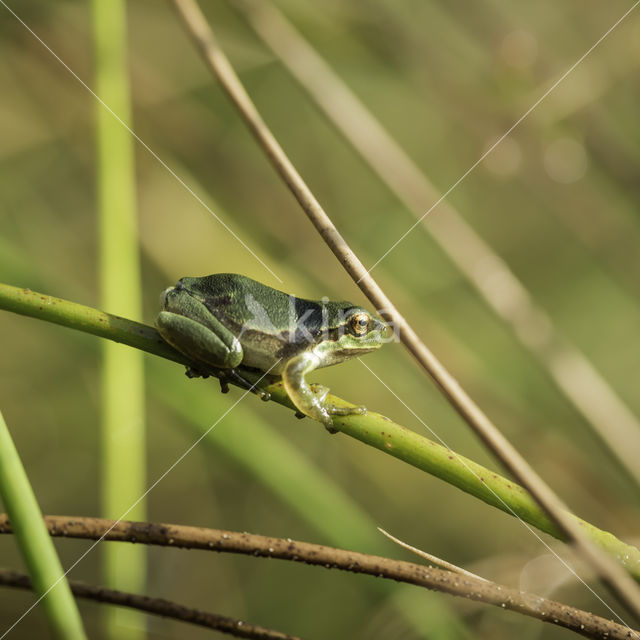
(573, 373)
(618, 581)
(466, 586)
(156, 606)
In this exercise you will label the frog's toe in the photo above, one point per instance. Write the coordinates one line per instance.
(300, 415)
(348, 411)
(321, 392)
(322, 413)
(328, 425)
(224, 386)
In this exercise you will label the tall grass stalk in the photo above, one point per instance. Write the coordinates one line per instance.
(123, 446)
(35, 544)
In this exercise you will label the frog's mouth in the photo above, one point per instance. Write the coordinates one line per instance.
(352, 352)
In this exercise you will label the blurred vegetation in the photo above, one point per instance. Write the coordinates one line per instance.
(558, 201)
(123, 446)
(38, 552)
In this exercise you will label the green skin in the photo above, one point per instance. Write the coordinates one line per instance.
(239, 330)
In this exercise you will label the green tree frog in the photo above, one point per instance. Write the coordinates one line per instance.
(238, 329)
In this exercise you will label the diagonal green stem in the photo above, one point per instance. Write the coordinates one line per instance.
(372, 429)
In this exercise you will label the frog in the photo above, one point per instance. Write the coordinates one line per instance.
(251, 335)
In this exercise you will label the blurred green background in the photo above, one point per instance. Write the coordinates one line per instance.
(558, 200)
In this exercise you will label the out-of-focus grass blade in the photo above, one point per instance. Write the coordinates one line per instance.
(35, 544)
(123, 461)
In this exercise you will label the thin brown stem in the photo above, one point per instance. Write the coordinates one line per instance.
(613, 576)
(157, 606)
(582, 622)
(568, 367)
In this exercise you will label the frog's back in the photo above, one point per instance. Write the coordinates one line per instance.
(268, 321)
(235, 298)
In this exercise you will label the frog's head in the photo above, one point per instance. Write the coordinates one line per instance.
(351, 331)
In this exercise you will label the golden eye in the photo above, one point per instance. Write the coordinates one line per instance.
(359, 324)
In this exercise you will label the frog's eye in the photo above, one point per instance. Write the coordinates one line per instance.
(359, 324)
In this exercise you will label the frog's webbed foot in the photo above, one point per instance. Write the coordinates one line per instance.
(321, 392)
(328, 409)
(333, 410)
(312, 399)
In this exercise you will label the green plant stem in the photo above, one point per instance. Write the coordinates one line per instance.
(35, 544)
(87, 319)
(372, 429)
(123, 450)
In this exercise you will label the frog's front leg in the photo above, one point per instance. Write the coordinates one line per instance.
(308, 402)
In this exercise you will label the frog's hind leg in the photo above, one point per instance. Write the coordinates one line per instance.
(221, 350)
